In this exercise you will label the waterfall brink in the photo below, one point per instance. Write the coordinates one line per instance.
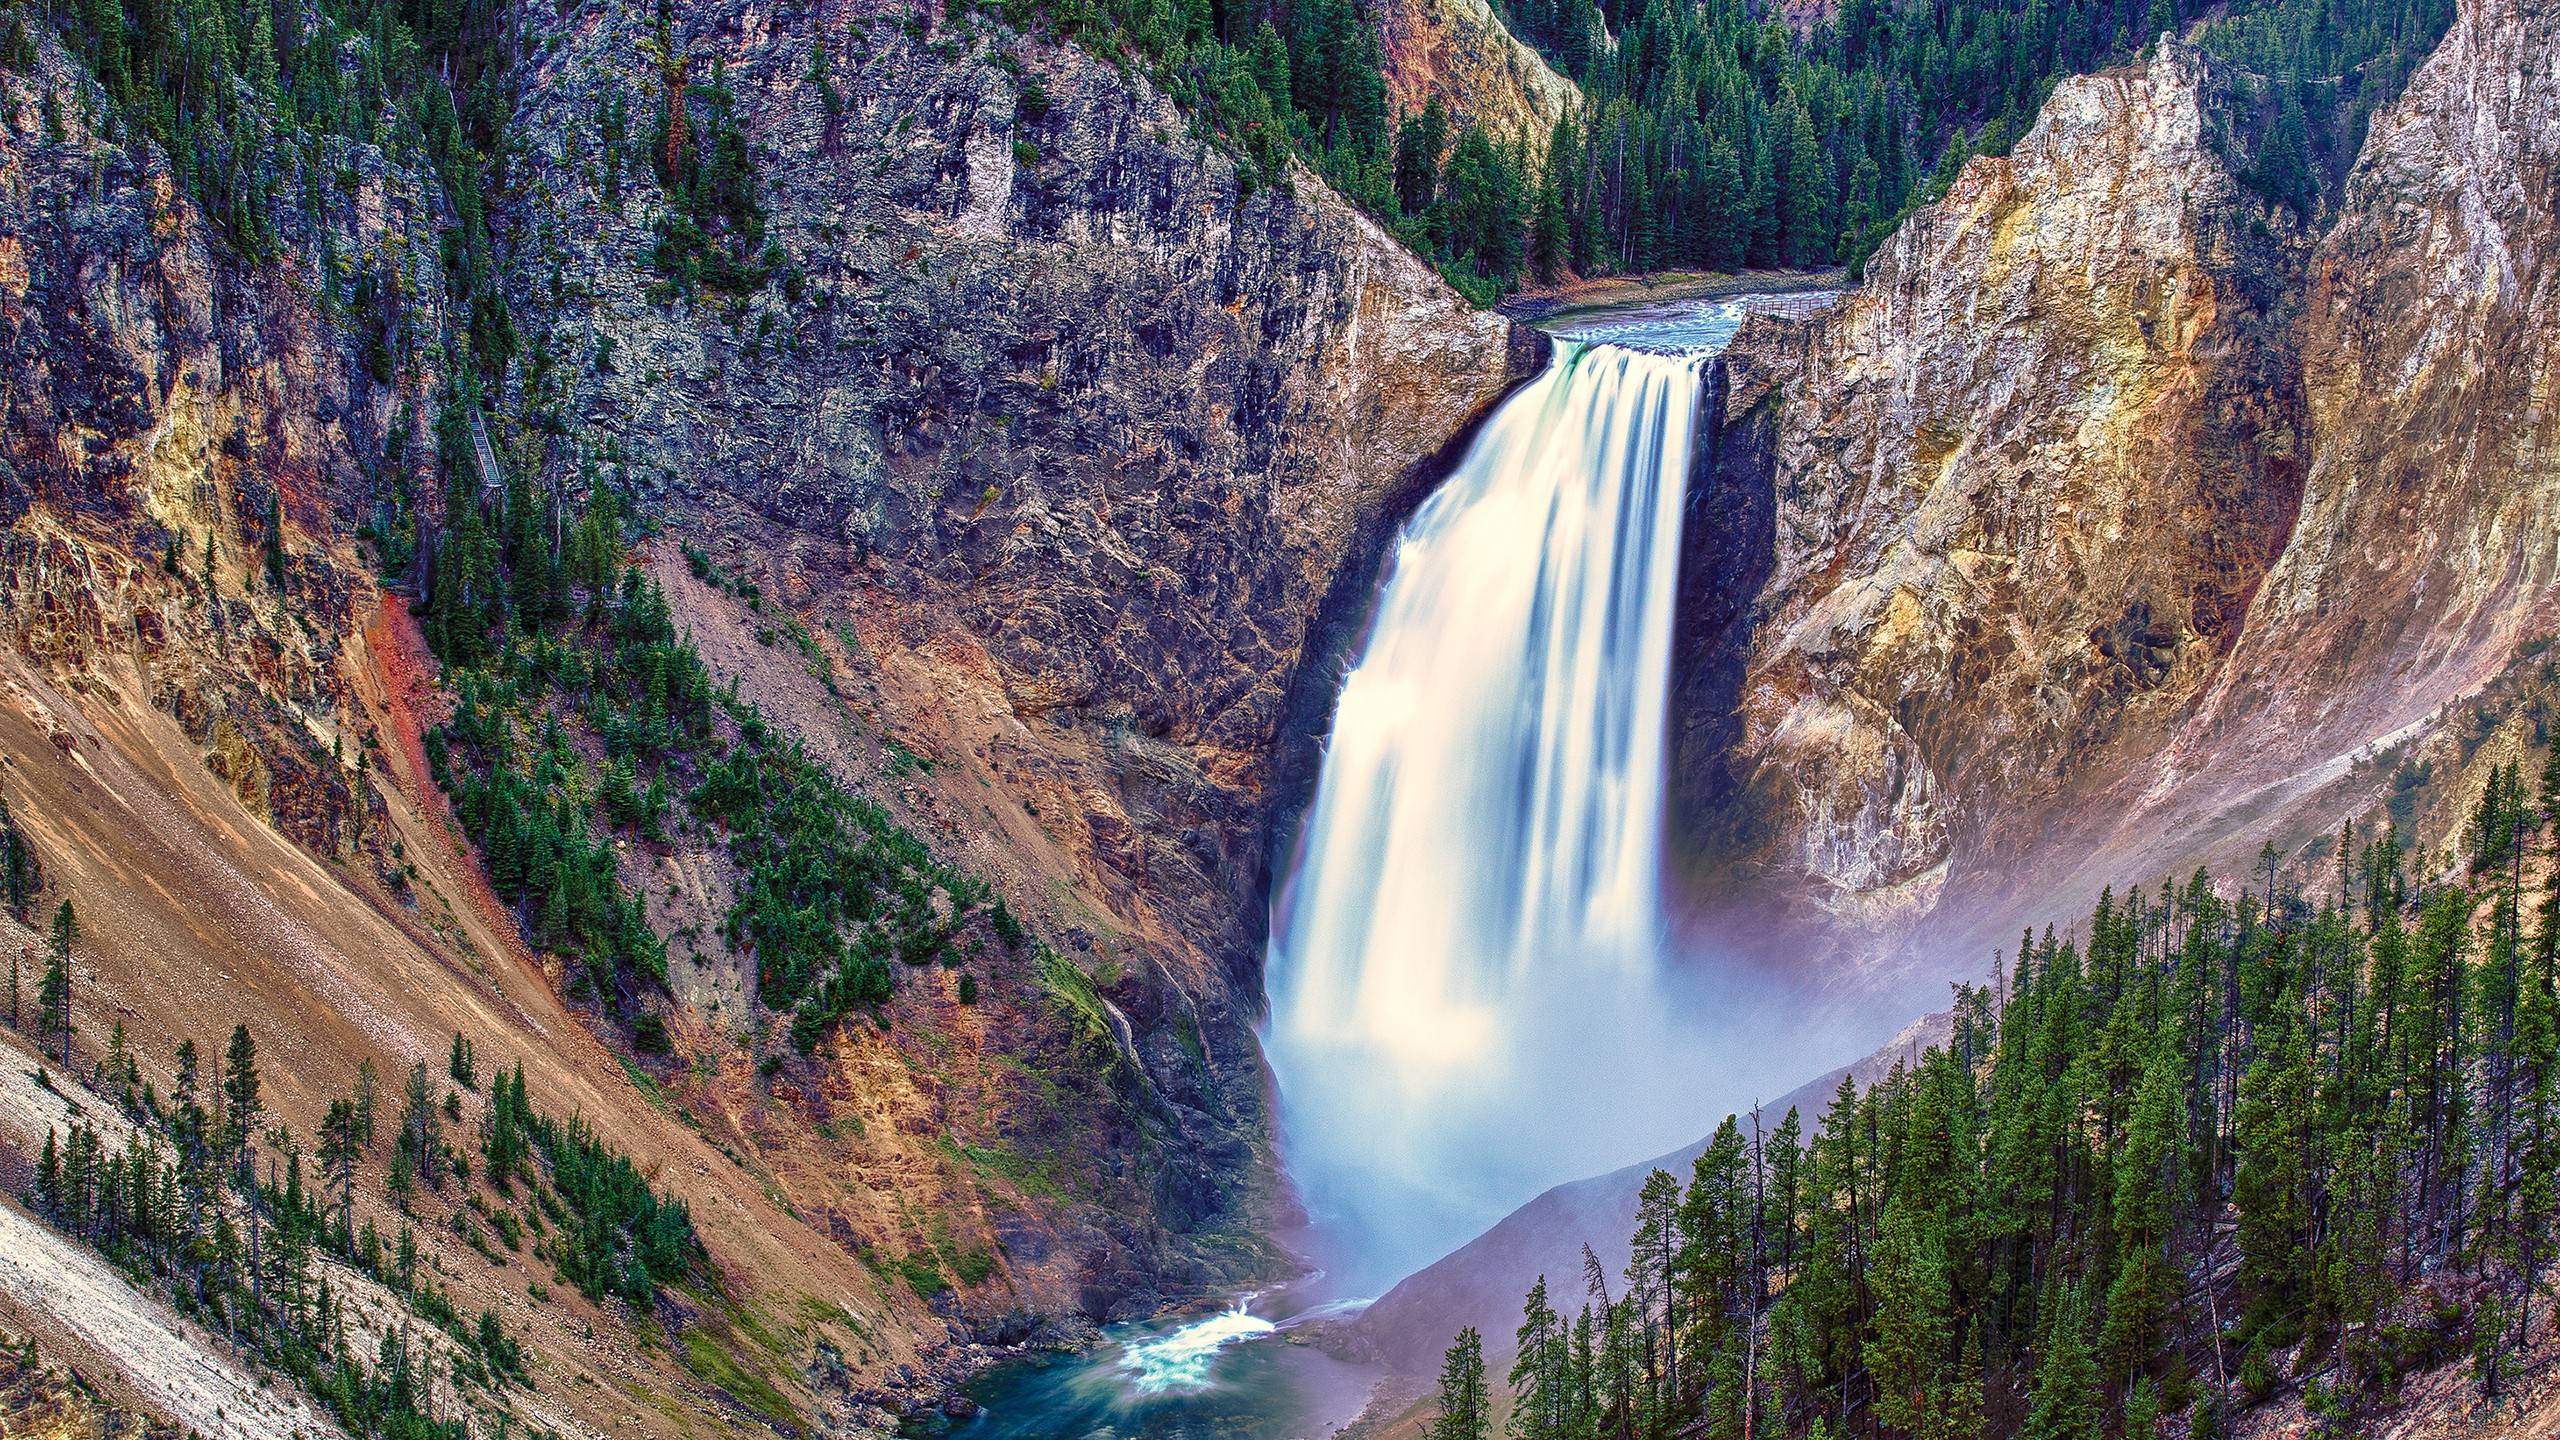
(1464, 955)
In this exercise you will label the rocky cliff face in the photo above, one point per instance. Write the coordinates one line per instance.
(2024, 480)
(1032, 485)
(2428, 538)
(1460, 52)
(182, 439)
(2113, 518)
(207, 733)
(1060, 434)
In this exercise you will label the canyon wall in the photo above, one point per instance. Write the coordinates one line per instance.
(1459, 52)
(2114, 526)
(1034, 486)
(2119, 522)
(1072, 443)
(2024, 478)
(172, 416)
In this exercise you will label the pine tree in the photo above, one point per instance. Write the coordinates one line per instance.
(340, 1148)
(1914, 1334)
(21, 877)
(2270, 1185)
(421, 1131)
(1652, 1255)
(366, 1084)
(242, 1105)
(2146, 1169)
(2142, 1403)
(2066, 1402)
(1542, 1373)
(1722, 228)
(1421, 138)
(275, 555)
(1464, 1408)
(53, 996)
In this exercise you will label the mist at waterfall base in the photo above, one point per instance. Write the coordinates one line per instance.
(1469, 1000)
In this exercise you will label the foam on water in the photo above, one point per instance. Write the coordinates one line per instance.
(1182, 1361)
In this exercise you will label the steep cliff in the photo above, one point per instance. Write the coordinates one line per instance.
(2113, 517)
(1029, 484)
(2428, 538)
(202, 739)
(1046, 425)
(2114, 526)
(182, 438)
(1461, 53)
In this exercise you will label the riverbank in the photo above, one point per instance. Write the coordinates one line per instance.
(1611, 291)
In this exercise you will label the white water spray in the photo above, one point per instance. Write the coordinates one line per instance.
(1181, 1362)
(1466, 1004)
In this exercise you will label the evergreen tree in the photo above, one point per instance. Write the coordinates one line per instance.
(1421, 139)
(421, 1131)
(2066, 1403)
(53, 996)
(340, 1149)
(2023, 1231)
(242, 1106)
(1912, 1348)
(1463, 1408)
(1542, 1384)
(21, 876)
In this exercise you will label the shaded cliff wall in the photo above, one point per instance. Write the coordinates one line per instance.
(1051, 430)
(2429, 536)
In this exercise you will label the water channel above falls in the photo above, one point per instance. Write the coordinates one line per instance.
(1464, 978)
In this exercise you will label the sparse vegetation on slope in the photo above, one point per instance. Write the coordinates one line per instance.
(208, 1200)
(582, 715)
(212, 1211)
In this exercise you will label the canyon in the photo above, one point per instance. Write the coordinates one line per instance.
(2113, 527)
(2116, 520)
(2118, 524)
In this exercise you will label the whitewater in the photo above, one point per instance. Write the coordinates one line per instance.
(1465, 974)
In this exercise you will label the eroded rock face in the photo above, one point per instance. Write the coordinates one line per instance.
(2429, 534)
(2024, 480)
(184, 439)
(2114, 519)
(1460, 52)
(1088, 444)
(1063, 455)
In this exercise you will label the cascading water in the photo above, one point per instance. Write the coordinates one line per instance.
(1464, 998)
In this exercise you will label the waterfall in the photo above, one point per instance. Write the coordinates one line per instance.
(1463, 968)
